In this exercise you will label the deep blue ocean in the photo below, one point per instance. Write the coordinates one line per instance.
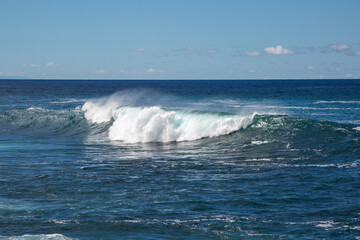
(253, 159)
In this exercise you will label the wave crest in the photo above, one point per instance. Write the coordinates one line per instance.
(154, 124)
(35, 120)
(55, 236)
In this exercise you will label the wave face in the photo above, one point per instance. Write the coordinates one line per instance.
(156, 124)
(43, 121)
(122, 117)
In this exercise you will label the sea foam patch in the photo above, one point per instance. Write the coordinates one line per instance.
(54, 236)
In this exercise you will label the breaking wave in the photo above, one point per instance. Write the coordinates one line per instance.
(125, 119)
(54, 236)
(155, 124)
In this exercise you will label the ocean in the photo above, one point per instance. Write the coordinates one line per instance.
(254, 159)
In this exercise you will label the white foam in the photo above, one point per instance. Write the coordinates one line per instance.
(35, 109)
(259, 142)
(257, 159)
(346, 102)
(54, 236)
(325, 224)
(69, 100)
(357, 128)
(155, 124)
(100, 110)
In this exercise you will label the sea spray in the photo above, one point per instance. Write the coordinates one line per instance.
(155, 124)
(102, 110)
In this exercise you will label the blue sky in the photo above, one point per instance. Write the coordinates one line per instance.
(187, 39)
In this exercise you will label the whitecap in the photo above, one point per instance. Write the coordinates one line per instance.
(155, 124)
(55, 236)
(68, 100)
(344, 102)
(259, 142)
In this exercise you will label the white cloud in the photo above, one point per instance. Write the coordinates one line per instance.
(278, 50)
(151, 70)
(253, 53)
(357, 53)
(339, 47)
(31, 65)
(50, 64)
(130, 72)
(101, 71)
(139, 50)
(310, 68)
(252, 71)
(349, 75)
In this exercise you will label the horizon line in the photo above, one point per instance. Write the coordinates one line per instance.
(175, 79)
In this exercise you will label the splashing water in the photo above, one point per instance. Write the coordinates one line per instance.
(155, 124)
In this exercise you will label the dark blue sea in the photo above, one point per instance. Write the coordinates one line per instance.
(179, 159)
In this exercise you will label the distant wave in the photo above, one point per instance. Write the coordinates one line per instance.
(344, 102)
(69, 100)
(54, 236)
(35, 120)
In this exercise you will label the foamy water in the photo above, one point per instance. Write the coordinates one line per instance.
(155, 124)
(39, 237)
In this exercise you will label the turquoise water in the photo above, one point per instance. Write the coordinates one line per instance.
(180, 159)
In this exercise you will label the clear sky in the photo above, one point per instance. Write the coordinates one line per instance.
(179, 39)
